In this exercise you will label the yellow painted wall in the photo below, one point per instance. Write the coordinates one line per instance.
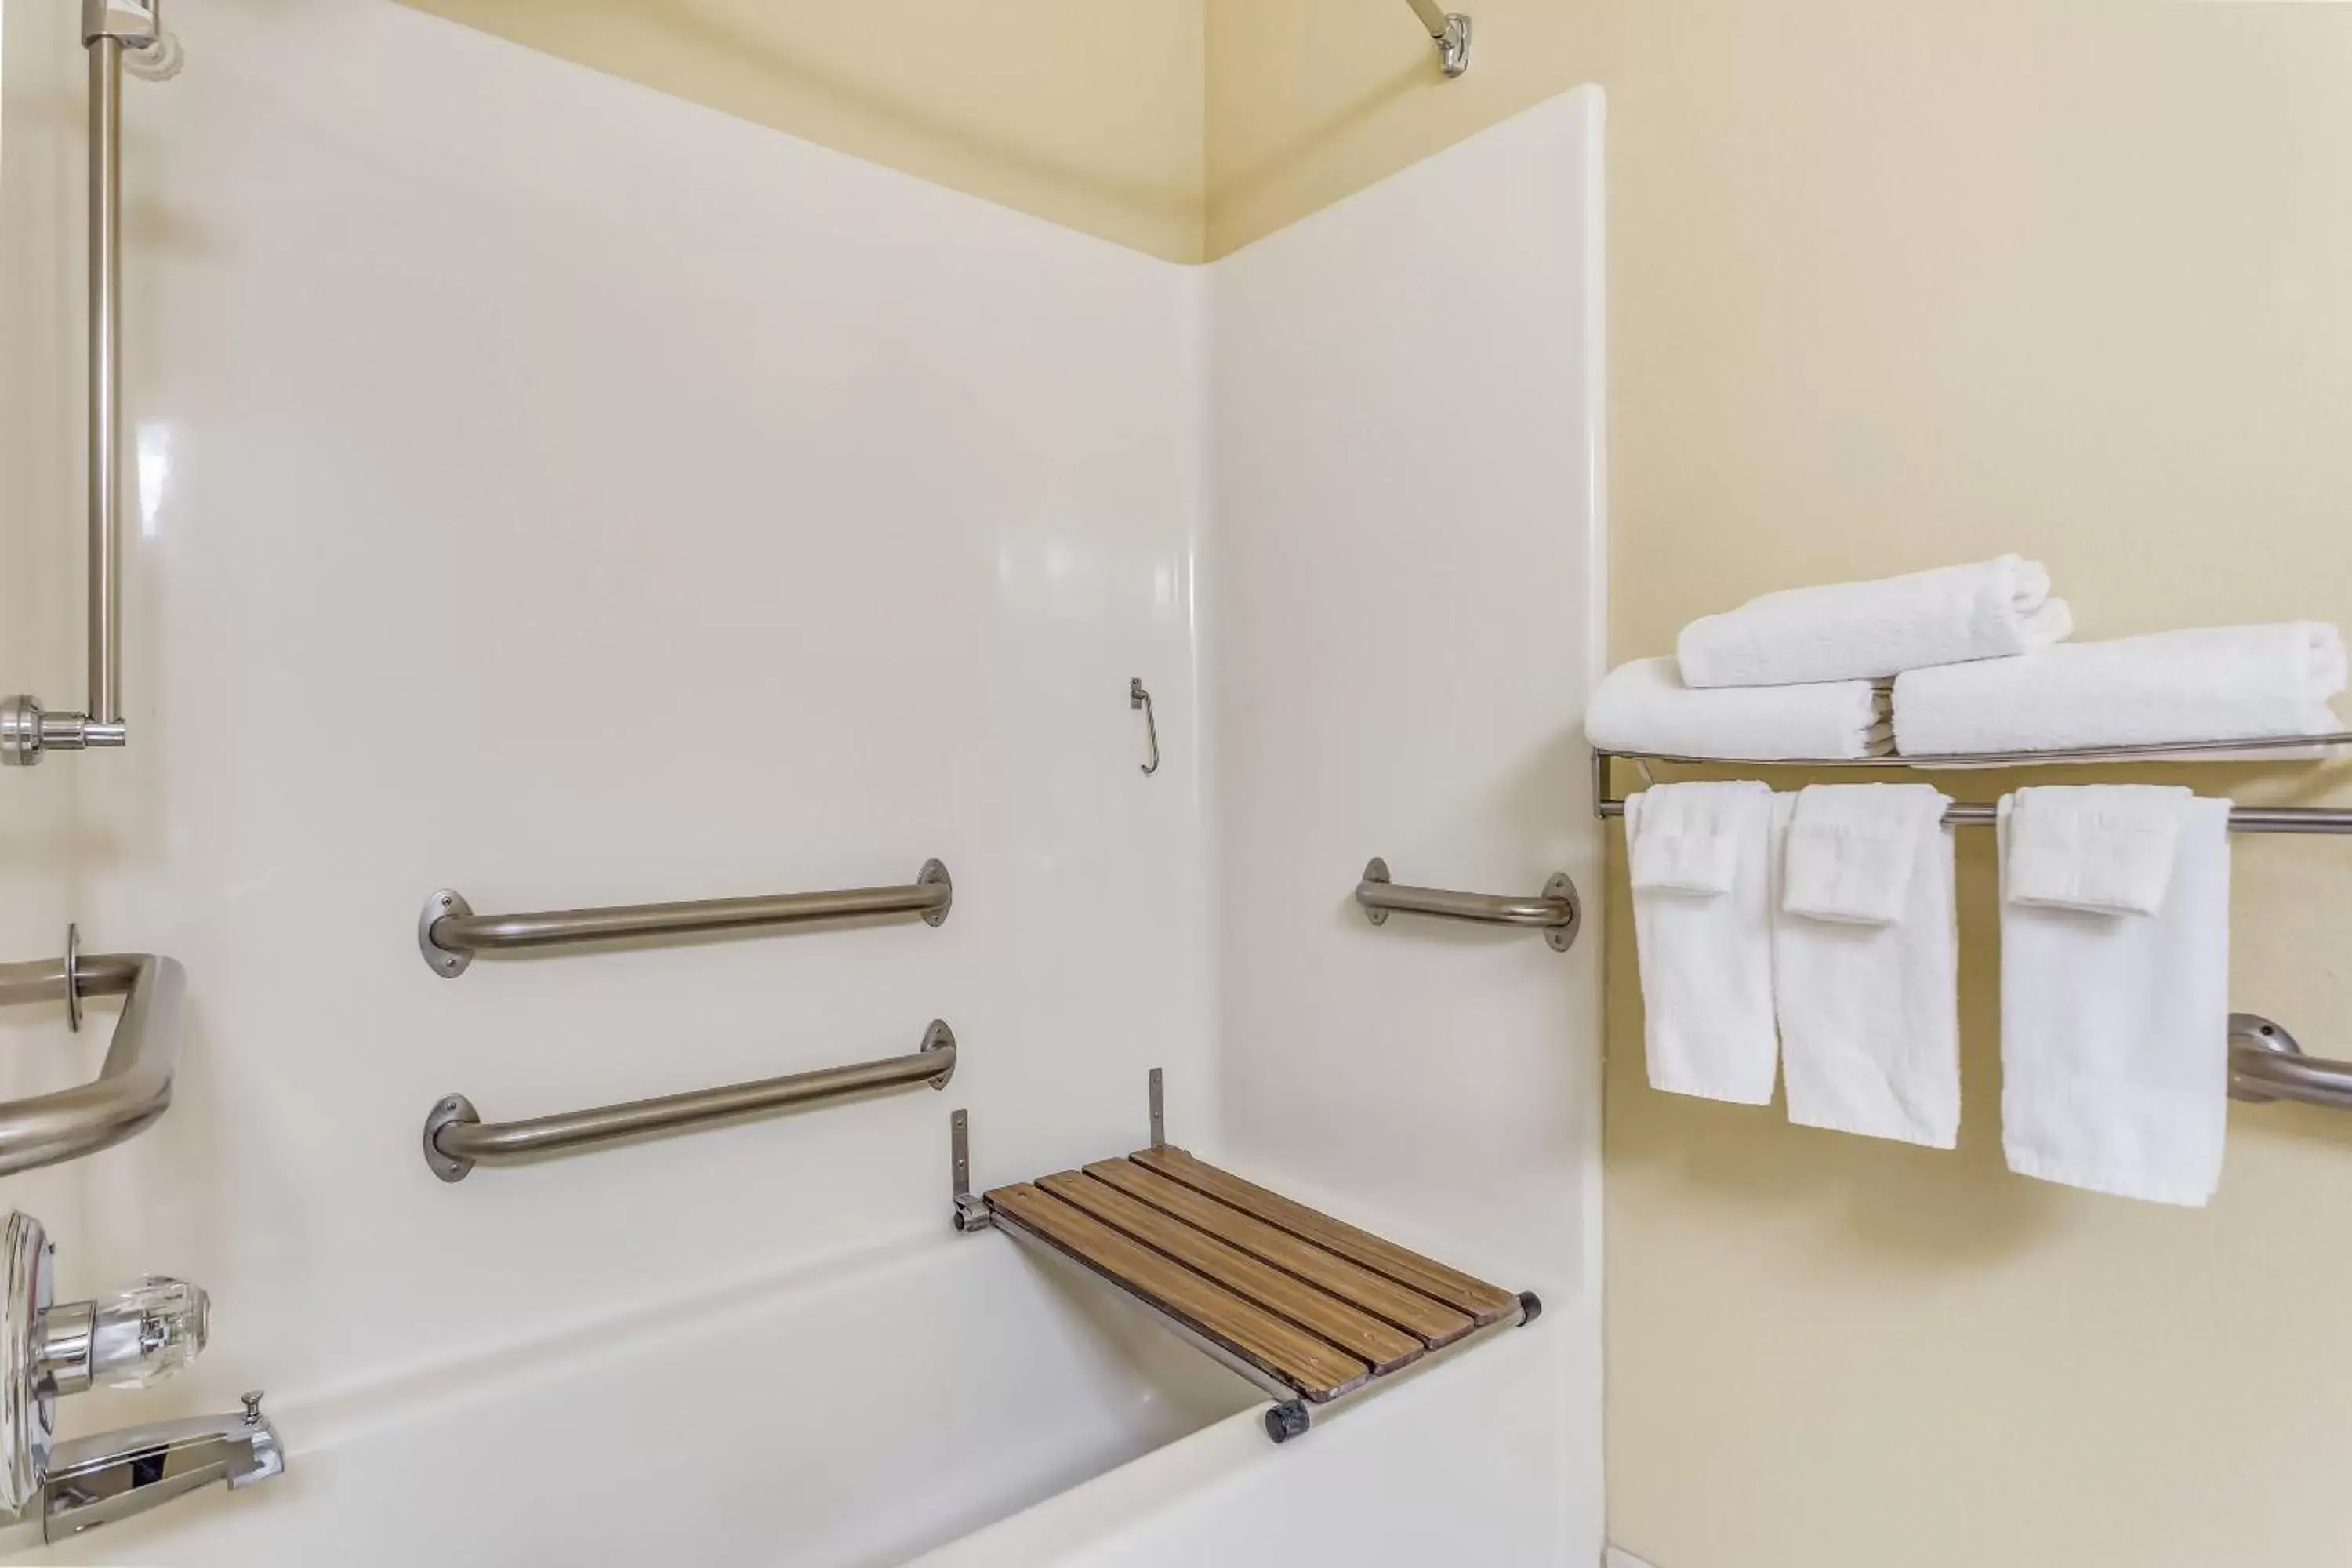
(1084, 111)
(1893, 283)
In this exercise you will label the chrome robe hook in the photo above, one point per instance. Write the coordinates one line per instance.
(1137, 697)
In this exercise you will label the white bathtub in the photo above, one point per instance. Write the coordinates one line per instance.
(958, 1402)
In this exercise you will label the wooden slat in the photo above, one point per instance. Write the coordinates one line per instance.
(1434, 1323)
(1324, 1316)
(1316, 1368)
(1485, 1302)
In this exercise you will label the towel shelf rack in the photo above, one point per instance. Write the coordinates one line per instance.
(1556, 911)
(449, 933)
(2243, 819)
(456, 1139)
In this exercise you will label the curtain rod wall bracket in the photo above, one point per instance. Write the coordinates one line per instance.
(1450, 31)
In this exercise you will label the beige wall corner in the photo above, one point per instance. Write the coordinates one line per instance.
(1085, 114)
(1310, 99)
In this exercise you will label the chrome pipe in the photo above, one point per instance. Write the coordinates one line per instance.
(449, 933)
(133, 1086)
(1556, 911)
(105, 474)
(2242, 818)
(456, 1139)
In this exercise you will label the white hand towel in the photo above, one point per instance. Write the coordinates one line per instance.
(2115, 1050)
(2106, 848)
(1867, 631)
(1644, 707)
(1707, 958)
(1869, 1009)
(2217, 683)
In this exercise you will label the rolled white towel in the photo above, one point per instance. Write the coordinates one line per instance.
(1868, 631)
(2217, 683)
(1644, 707)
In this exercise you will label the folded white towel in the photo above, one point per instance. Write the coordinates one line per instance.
(2115, 1050)
(1867, 631)
(2104, 848)
(2218, 683)
(1644, 707)
(1689, 841)
(1851, 847)
(1707, 958)
(1869, 1009)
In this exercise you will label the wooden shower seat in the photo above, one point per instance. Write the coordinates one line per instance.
(1311, 1308)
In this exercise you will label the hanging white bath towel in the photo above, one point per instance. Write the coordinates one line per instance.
(1867, 964)
(1700, 856)
(2114, 1025)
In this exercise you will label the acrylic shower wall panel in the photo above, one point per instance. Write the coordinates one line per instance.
(1405, 614)
(560, 492)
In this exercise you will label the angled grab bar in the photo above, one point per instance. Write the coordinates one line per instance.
(1556, 911)
(133, 1086)
(449, 933)
(456, 1139)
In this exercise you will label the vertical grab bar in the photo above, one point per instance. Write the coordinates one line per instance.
(28, 733)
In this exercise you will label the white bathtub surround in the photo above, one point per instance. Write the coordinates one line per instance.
(493, 429)
(1869, 631)
(2214, 683)
(1707, 957)
(2115, 1027)
(1866, 954)
(1645, 707)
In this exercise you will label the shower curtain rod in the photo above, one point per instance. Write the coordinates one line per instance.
(1449, 30)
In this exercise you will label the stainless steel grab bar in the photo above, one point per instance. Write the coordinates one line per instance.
(133, 1086)
(1557, 912)
(26, 731)
(456, 1139)
(2267, 1064)
(449, 933)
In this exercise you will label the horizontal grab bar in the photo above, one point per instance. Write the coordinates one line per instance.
(133, 1086)
(456, 1139)
(1556, 911)
(449, 933)
(2266, 1064)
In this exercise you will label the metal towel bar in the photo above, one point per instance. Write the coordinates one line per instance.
(2243, 819)
(456, 1139)
(133, 1086)
(449, 933)
(1449, 30)
(1556, 911)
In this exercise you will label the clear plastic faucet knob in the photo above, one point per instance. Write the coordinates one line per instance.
(147, 1331)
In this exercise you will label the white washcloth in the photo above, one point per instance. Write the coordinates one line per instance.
(1867, 631)
(2104, 848)
(1707, 958)
(1869, 1010)
(2218, 683)
(2114, 1052)
(1852, 848)
(1644, 707)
